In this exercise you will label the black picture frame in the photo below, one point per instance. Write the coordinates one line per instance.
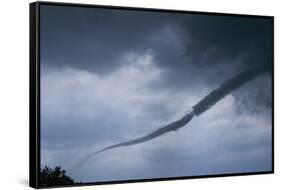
(34, 92)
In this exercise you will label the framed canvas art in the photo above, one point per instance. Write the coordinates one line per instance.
(121, 94)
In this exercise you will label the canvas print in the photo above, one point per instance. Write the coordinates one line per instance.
(129, 94)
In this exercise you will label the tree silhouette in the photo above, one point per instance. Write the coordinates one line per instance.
(54, 177)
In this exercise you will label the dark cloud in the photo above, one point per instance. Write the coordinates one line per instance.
(190, 46)
(91, 39)
(220, 40)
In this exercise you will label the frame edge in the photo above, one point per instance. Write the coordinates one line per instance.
(33, 89)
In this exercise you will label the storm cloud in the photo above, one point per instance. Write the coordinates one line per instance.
(109, 75)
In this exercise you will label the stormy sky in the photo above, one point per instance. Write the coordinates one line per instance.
(108, 76)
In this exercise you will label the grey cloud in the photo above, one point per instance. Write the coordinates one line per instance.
(255, 97)
(82, 35)
(189, 46)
